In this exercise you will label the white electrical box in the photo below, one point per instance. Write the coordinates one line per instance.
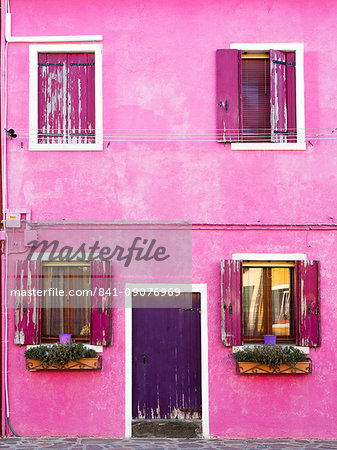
(13, 220)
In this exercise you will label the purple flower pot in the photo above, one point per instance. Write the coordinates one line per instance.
(65, 338)
(269, 339)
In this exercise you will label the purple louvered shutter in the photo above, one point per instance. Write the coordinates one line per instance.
(278, 96)
(291, 96)
(28, 307)
(231, 300)
(52, 98)
(81, 97)
(228, 92)
(308, 303)
(101, 311)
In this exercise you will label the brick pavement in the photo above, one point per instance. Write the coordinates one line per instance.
(157, 444)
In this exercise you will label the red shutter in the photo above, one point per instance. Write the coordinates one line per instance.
(101, 311)
(27, 307)
(278, 96)
(231, 288)
(308, 303)
(52, 98)
(291, 96)
(81, 97)
(228, 92)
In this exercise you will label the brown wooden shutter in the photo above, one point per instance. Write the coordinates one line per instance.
(28, 307)
(228, 92)
(101, 308)
(231, 302)
(308, 303)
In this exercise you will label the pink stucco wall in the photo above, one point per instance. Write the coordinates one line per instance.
(268, 406)
(159, 75)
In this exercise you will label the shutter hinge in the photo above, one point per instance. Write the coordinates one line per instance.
(50, 134)
(283, 63)
(49, 64)
(82, 64)
(82, 134)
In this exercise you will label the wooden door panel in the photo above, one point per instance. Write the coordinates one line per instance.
(167, 362)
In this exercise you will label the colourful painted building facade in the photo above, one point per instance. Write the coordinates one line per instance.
(125, 112)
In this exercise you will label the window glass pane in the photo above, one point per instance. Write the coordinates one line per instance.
(52, 303)
(281, 308)
(253, 301)
(79, 284)
(68, 312)
(267, 302)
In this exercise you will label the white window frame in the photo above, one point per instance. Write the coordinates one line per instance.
(34, 50)
(298, 48)
(269, 257)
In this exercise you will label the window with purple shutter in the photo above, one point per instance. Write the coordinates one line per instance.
(278, 96)
(256, 96)
(228, 91)
(231, 302)
(308, 303)
(291, 97)
(101, 308)
(66, 98)
(270, 298)
(88, 318)
(27, 307)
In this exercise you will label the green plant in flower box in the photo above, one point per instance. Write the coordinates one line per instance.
(60, 353)
(270, 355)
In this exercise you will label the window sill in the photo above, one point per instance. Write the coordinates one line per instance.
(269, 146)
(305, 350)
(98, 348)
(65, 147)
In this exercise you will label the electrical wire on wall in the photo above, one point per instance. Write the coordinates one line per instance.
(312, 135)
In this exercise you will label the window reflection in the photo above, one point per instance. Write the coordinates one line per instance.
(267, 301)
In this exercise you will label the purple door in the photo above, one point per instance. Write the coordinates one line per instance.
(166, 362)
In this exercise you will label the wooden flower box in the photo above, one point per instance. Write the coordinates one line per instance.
(34, 365)
(255, 368)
